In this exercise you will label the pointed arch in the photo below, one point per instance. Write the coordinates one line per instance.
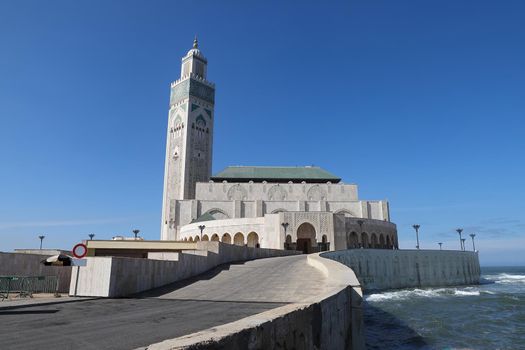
(347, 213)
(252, 239)
(238, 239)
(217, 213)
(226, 238)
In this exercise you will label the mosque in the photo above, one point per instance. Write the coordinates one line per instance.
(302, 208)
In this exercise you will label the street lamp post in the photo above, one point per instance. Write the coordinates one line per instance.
(463, 243)
(416, 227)
(91, 235)
(459, 230)
(202, 227)
(136, 233)
(41, 239)
(285, 226)
(440, 244)
(472, 235)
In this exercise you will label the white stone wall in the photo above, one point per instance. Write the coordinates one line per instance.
(276, 192)
(120, 276)
(228, 226)
(337, 228)
(387, 269)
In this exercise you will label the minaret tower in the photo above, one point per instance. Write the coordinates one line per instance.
(190, 137)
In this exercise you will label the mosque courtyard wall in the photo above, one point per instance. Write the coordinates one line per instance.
(322, 230)
(392, 269)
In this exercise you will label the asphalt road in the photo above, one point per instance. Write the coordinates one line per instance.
(220, 296)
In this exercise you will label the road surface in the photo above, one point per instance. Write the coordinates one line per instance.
(220, 296)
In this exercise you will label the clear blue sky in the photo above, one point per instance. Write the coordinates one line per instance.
(418, 102)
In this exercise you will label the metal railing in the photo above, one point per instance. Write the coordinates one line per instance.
(25, 286)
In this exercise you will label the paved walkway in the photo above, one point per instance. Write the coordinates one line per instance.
(220, 296)
(281, 280)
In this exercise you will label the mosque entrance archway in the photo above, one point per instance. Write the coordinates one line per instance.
(306, 238)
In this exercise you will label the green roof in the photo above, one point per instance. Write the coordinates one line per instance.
(203, 217)
(275, 174)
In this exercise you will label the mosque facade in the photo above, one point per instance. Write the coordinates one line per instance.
(303, 208)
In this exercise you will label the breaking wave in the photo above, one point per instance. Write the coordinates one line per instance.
(506, 278)
(422, 293)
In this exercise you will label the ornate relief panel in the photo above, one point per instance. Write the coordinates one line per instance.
(237, 192)
(316, 193)
(277, 193)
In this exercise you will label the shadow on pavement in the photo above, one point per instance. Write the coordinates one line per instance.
(28, 312)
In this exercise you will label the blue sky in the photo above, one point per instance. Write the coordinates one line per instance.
(418, 102)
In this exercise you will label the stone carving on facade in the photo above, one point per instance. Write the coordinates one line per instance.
(237, 192)
(346, 212)
(277, 193)
(316, 193)
(218, 214)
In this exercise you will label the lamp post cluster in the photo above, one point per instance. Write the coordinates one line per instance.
(202, 227)
(41, 237)
(461, 239)
(416, 227)
(91, 235)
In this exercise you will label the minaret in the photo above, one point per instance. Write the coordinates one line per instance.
(189, 138)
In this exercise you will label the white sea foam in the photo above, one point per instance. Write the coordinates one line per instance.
(421, 293)
(466, 292)
(488, 292)
(507, 278)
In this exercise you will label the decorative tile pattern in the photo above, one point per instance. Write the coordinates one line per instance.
(192, 87)
(202, 91)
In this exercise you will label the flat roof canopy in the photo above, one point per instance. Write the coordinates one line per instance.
(309, 174)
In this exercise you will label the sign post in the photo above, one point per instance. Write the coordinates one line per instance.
(79, 251)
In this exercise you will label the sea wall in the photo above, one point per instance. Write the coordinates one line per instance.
(122, 276)
(379, 269)
(21, 264)
(333, 320)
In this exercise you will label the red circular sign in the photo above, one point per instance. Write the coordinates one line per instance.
(79, 251)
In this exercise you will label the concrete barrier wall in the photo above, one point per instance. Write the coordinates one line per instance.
(20, 264)
(331, 321)
(379, 269)
(120, 276)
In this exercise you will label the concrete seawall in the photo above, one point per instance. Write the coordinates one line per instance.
(331, 320)
(390, 269)
(21, 264)
(121, 276)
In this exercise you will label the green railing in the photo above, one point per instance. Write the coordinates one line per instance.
(25, 286)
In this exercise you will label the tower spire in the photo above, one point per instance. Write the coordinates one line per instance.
(195, 42)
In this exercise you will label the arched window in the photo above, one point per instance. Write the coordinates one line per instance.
(253, 239)
(238, 239)
(226, 238)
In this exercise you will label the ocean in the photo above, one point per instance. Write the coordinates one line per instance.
(486, 316)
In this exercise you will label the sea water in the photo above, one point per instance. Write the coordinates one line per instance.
(486, 316)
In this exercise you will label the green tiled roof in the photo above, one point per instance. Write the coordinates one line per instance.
(203, 217)
(275, 174)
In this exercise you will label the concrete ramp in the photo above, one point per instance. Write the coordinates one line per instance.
(273, 280)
